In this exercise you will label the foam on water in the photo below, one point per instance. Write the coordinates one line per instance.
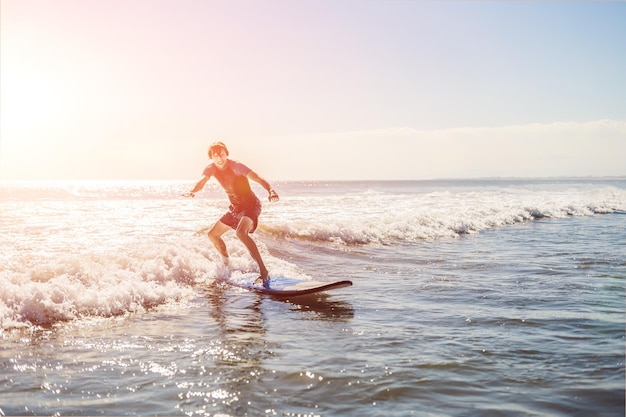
(391, 218)
(70, 286)
(82, 249)
(42, 292)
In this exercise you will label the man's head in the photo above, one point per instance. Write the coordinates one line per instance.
(217, 148)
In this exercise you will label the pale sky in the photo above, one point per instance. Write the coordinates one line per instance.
(312, 89)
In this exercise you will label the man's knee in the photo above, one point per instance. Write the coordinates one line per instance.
(216, 232)
(244, 228)
(242, 232)
(214, 238)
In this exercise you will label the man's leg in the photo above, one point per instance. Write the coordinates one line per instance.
(244, 228)
(215, 235)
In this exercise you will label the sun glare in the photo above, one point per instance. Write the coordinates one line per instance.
(31, 102)
(47, 99)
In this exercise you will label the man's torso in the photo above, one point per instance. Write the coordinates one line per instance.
(234, 179)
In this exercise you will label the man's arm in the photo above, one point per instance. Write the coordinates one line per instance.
(253, 176)
(199, 185)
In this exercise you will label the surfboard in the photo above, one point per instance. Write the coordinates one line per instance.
(288, 287)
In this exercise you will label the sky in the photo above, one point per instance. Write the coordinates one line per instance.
(312, 89)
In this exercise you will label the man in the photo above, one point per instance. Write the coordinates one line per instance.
(245, 207)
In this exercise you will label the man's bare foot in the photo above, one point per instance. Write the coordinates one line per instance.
(263, 280)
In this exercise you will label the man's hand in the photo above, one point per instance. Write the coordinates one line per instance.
(273, 197)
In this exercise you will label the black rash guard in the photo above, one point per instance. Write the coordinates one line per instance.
(234, 179)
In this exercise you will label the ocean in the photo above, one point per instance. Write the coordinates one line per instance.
(495, 297)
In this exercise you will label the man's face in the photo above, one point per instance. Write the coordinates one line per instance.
(219, 158)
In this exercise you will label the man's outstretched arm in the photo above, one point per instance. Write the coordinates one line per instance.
(253, 176)
(199, 185)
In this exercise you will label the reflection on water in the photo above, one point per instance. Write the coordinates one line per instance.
(322, 307)
(213, 356)
(239, 360)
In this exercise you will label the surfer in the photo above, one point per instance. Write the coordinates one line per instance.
(245, 207)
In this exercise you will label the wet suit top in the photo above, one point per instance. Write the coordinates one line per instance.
(234, 179)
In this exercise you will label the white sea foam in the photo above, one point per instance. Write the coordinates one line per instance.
(70, 286)
(103, 250)
(40, 290)
(392, 218)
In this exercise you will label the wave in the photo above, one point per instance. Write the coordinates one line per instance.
(389, 219)
(39, 292)
(66, 260)
(42, 292)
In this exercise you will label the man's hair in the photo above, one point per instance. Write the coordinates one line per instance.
(215, 147)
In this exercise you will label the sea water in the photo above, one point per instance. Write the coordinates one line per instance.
(470, 298)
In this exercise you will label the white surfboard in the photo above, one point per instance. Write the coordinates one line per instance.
(287, 287)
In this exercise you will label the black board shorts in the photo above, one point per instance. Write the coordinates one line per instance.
(251, 210)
